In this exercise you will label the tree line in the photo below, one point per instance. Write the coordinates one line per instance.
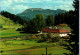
(38, 23)
(32, 26)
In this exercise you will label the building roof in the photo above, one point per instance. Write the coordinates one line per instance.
(56, 30)
(64, 30)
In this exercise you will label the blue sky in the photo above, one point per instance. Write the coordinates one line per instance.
(18, 6)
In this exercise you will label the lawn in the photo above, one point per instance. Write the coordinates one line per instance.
(31, 47)
(11, 33)
(26, 47)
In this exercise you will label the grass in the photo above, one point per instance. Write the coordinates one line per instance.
(11, 33)
(10, 46)
(30, 47)
(7, 23)
(26, 47)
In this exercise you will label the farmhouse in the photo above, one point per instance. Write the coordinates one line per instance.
(61, 32)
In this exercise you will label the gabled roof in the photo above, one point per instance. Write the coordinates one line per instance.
(56, 30)
(64, 30)
(51, 30)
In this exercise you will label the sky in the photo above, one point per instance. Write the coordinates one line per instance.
(18, 6)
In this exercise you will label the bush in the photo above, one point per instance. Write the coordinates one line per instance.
(44, 35)
(42, 38)
(1, 51)
(1, 26)
(19, 29)
(49, 35)
(55, 39)
(22, 44)
(62, 42)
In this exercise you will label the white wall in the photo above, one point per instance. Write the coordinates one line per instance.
(62, 35)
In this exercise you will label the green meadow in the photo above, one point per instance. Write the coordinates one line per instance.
(12, 42)
(27, 47)
(11, 33)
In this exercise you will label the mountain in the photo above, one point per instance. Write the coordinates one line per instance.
(7, 23)
(30, 13)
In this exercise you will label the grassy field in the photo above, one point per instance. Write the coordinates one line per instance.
(11, 33)
(11, 46)
(7, 23)
(20, 47)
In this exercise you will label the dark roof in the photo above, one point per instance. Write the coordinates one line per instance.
(56, 30)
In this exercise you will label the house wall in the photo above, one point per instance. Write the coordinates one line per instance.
(58, 34)
(62, 35)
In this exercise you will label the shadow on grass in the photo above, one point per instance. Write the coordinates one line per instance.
(66, 54)
(28, 32)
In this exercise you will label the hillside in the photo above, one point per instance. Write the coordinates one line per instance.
(30, 13)
(7, 23)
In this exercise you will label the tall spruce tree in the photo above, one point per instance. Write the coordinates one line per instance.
(72, 19)
(74, 39)
(50, 20)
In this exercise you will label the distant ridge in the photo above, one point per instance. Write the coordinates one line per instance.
(31, 12)
(34, 9)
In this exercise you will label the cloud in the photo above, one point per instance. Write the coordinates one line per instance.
(47, 7)
(9, 1)
(22, 0)
(64, 7)
(63, 1)
(48, 0)
(36, 0)
(6, 3)
(42, 0)
(17, 6)
(58, 1)
(16, 0)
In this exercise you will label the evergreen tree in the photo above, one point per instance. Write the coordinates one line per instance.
(74, 39)
(72, 19)
(60, 18)
(50, 20)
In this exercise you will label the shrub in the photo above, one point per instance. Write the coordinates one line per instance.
(62, 42)
(39, 37)
(55, 39)
(22, 44)
(49, 35)
(44, 35)
(1, 26)
(19, 29)
(42, 38)
(1, 51)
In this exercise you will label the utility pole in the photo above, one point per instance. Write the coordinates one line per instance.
(46, 50)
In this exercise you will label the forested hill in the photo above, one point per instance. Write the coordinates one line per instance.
(31, 13)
